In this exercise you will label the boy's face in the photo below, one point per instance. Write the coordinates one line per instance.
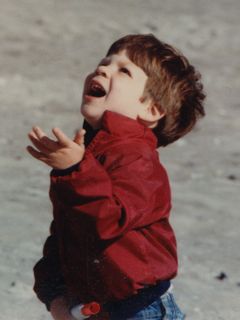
(117, 85)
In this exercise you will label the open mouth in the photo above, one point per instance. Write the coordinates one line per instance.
(96, 90)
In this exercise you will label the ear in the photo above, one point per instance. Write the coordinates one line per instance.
(150, 114)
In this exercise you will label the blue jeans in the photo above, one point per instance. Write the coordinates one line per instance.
(162, 308)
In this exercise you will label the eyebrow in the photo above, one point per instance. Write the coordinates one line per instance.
(108, 60)
(128, 64)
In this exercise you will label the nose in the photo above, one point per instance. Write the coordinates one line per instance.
(102, 71)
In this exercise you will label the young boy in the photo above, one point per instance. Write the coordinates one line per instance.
(111, 241)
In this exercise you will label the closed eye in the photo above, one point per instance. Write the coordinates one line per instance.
(125, 70)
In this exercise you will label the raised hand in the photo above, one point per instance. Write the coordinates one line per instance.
(59, 309)
(59, 154)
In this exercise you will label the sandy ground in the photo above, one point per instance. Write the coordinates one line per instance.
(47, 47)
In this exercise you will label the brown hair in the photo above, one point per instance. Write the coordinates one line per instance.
(173, 83)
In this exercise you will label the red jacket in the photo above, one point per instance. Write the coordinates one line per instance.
(110, 235)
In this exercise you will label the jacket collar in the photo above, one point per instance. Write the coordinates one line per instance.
(122, 126)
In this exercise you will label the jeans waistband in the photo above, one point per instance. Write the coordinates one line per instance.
(142, 299)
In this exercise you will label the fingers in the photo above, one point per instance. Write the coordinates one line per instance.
(36, 154)
(38, 144)
(41, 141)
(79, 137)
(61, 137)
(47, 145)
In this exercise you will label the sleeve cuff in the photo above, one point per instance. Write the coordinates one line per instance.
(64, 172)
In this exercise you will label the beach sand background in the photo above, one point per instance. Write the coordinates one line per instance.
(47, 48)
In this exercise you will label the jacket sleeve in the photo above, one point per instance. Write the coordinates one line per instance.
(129, 191)
(49, 282)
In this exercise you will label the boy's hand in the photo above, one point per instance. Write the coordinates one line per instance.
(59, 154)
(59, 309)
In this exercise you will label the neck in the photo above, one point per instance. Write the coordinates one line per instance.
(90, 132)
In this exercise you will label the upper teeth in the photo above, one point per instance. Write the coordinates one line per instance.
(96, 86)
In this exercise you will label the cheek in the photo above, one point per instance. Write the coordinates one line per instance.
(125, 94)
(134, 95)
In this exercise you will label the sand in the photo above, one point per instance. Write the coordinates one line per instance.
(47, 48)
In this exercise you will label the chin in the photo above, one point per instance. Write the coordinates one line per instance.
(93, 119)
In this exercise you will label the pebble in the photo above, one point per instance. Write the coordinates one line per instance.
(232, 177)
(221, 276)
